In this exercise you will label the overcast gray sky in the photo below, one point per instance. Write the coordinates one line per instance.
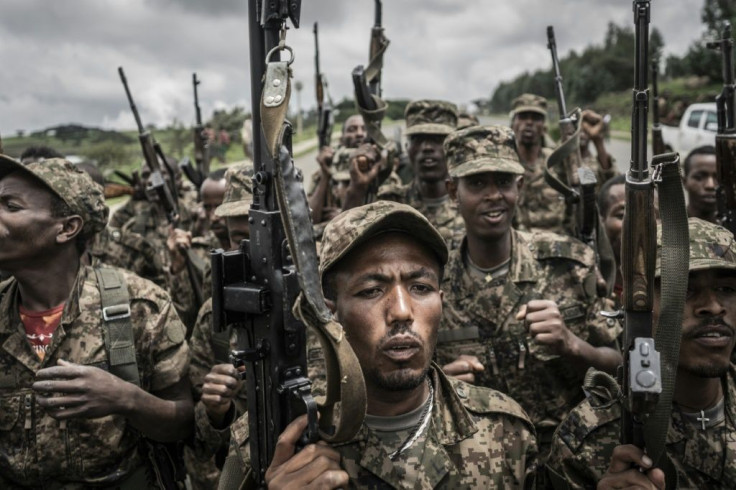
(58, 60)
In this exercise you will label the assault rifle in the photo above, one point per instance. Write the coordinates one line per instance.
(657, 139)
(196, 175)
(726, 137)
(580, 190)
(255, 288)
(158, 190)
(325, 117)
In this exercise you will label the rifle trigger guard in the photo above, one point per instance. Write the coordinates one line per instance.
(281, 48)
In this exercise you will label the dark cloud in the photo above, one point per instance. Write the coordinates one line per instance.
(59, 59)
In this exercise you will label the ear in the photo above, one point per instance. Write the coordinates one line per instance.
(451, 185)
(71, 226)
(519, 183)
(331, 306)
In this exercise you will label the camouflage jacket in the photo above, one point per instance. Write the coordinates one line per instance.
(477, 438)
(601, 174)
(38, 450)
(479, 320)
(445, 217)
(584, 442)
(540, 207)
(128, 250)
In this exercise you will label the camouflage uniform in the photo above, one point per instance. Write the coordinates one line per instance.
(584, 442)
(540, 207)
(479, 314)
(601, 174)
(428, 117)
(37, 450)
(477, 438)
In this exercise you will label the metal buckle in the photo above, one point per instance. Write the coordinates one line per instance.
(115, 312)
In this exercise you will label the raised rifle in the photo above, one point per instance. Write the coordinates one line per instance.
(726, 137)
(325, 117)
(255, 288)
(579, 190)
(657, 139)
(157, 189)
(201, 138)
(650, 361)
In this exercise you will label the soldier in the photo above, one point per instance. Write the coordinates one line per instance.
(520, 309)
(209, 227)
(321, 199)
(428, 122)
(94, 360)
(38, 153)
(593, 128)
(215, 382)
(540, 206)
(465, 120)
(611, 206)
(700, 181)
(701, 440)
(381, 268)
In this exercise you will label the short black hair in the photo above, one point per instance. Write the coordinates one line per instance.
(38, 152)
(700, 150)
(605, 190)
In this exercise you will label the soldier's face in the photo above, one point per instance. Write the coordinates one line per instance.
(238, 229)
(427, 157)
(708, 323)
(27, 227)
(487, 202)
(613, 221)
(702, 181)
(213, 191)
(354, 133)
(389, 302)
(528, 128)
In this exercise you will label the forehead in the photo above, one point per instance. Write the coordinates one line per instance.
(21, 185)
(617, 193)
(398, 250)
(703, 162)
(355, 120)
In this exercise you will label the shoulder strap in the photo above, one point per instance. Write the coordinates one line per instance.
(118, 330)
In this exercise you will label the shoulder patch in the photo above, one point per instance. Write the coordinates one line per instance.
(478, 399)
(548, 245)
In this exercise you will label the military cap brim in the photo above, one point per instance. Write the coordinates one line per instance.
(528, 108)
(429, 128)
(9, 165)
(483, 165)
(236, 208)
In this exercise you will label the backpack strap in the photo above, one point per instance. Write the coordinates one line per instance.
(118, 330)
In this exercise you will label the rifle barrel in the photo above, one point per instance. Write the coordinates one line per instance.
(559, 91)
(379, 14)
(197, 110)
(130, 100)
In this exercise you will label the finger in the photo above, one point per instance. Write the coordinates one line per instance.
(219, 390)
(310, 462)
(331, 479)
(215, 400)
(467, 377)
(56, 386)
(60, 402)
(657, 477)
(457, 367)
(474, 362)
(287, 440)
(539, 304)
(70, 413)
(219, 379)
(522, 313)
(227, 369)
(625, 455)
(631, 478)
(549, 314)
(56, 372)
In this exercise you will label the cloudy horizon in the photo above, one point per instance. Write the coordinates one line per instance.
(60, 59)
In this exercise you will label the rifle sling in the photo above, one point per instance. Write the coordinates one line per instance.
(345, 381)
(556, 164)
(675, 265)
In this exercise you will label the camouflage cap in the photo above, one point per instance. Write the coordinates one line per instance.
(466, 120)
(75, 187)
(430, 117)
(711, 247)
(481, 149)
(355, 226)
(529, 103)
(238, 192)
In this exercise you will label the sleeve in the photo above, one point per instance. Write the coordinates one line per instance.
(201, 355)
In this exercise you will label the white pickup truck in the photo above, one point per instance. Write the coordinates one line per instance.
(697, 127)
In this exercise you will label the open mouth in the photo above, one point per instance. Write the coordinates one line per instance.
(713, 336)
(401, 348)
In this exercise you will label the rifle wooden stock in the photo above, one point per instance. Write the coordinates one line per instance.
(113, 190)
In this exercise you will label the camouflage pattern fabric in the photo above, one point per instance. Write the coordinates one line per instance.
(584, 442)
(711, 246)
(601, 174)
(38, 451)
(75, 187)
(444, 217)
(477, 438)
(430, 117)
(540, 207)
(529, 103)
(238, 192)
(482, 149)
(340, 164)
(465, 120)
(479, 320)
(127, 250)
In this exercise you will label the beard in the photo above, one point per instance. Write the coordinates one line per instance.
(707, 369)
(398, 380)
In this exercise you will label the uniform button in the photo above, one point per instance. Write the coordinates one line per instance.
(461, 392)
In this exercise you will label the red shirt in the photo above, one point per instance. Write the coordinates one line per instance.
(40, 327)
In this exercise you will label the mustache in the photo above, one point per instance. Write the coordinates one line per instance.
(708, 324)
(401, 329)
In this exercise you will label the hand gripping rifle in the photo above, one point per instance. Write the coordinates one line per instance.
(158, 190)
(657, 139)
(269, 288)
(650, 362)
(726, 137)
(325, 117)
(580, 189)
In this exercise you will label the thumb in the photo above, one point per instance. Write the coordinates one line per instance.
(522, 313)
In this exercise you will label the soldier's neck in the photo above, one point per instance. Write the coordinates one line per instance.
(487, 253)
(704, 213)
(529, 154)
(431, 189)
(694, 393)
(43, 288)
(384, 403)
